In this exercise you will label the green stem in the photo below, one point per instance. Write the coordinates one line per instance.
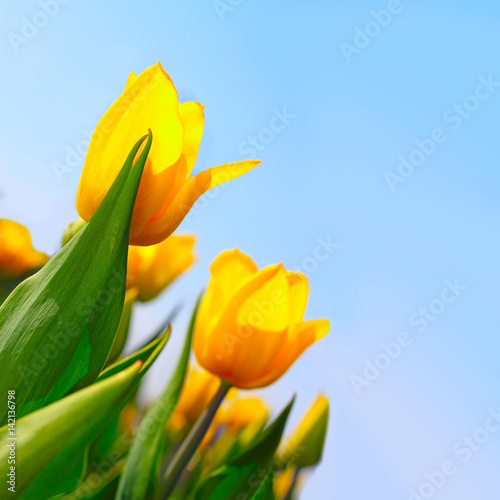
(190, 444)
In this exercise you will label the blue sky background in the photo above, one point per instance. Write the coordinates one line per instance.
(323, 176)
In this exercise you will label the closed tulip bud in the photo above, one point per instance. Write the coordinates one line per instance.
(151, 269)
(250, 326)
(305, 446)
(167, 191)
(17, 255)
(72, 229)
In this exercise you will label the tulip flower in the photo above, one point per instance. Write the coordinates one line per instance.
(242, 412)
(305, 446)
(151, 269)
(17, 255)
(167, 191)
(250, 326)
(197, 392)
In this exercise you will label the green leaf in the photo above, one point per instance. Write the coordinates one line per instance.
(61, 430)
(141, 469)
(123, 327)
(97, 485)
(63, 474)
(242, 477)
(145, 354)
(265, 490)
(58, 326)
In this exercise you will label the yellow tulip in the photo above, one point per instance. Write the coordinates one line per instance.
(167, 192)
(151, 269)
(305, 446)
(250, 326)
(17, 255)
(242, 412)
(197, 393)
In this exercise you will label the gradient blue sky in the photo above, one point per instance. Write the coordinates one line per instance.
(322, 177)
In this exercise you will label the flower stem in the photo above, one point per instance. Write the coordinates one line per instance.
(190, 444)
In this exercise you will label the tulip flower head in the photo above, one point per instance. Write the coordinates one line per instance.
(151, 269)
(167, 191)
(250, 326)
(17, 255)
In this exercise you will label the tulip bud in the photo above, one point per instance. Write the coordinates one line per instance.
(305, 447)
(71, 229)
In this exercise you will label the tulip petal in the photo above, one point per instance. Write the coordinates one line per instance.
(167, 220)
(193, 120)
(148, 102)
(229, 270)
(216, 347)
(268, 308)
(299, 292)
(301, 337)
(131, 79)
(17, 255)
(153, 268)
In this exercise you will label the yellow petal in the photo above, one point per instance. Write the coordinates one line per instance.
(148, 102)
(220, 347)
(299, 339)
(17, 255)
(131, 79)
(196, 394)
(299, 292)
(193, 120)
(168, 219)
(228, 270)
(151, 269)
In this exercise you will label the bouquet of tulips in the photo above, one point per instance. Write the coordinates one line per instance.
(71, 426)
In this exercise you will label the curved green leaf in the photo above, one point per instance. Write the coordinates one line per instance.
(61, 430)
(58, 326)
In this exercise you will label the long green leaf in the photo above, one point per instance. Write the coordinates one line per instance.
(156, 345)
(58, 326)
(141, 469)
(62, 429)
(63, 473)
